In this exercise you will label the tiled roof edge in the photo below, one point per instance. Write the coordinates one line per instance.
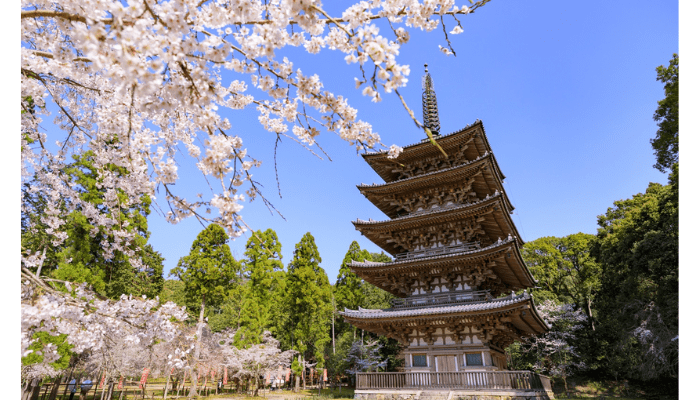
(367, 264)
(450, 308)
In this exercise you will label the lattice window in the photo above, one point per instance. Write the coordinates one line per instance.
(474, 359)
(420, 360)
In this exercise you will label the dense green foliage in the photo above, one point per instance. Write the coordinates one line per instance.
(209, 268)
(348, 286)
(565, 270)
(308, 302)
(638, 244)
(264, 270)
(665, 143)
(43, 339)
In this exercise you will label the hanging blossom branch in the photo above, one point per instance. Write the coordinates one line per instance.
(140, 82)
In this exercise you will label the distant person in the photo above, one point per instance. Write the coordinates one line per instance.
(85, 388)
(71, 388)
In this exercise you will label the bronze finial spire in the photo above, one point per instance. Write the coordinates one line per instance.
(430, 110)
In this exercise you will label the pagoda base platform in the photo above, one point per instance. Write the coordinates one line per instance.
(469, 394)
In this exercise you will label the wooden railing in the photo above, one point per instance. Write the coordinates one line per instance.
(457, 248)
(426, 300)
(465, 380)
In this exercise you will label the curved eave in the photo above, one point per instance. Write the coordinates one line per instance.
(379, 161)
(371, 228)
(514, 272)
(527, 319)
(375, 192)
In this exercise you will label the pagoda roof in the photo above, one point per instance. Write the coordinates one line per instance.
(532, 323)
(512, 270)
(384, 166)
(453, 174)
(503, 227)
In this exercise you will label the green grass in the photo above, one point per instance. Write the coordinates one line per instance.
(587, 389)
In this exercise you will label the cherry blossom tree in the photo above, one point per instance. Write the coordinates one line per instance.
(256, 361)
(556, 354)
(103, 329)
(364, 357)
(138, 81)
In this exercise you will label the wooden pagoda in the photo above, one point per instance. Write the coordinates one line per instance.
(456, 259)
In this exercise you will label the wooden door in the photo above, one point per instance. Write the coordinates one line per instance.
(446, 363)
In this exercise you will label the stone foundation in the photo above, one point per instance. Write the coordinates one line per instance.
(452, 395)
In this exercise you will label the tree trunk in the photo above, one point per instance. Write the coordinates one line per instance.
(54, 388)
(590, 313)
(36, 390)
(110, 390)
(167, 381)
(197, 350)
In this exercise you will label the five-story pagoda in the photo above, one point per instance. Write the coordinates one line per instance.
(456, 253)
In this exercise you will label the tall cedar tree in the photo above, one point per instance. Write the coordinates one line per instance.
(308, 302)
(347, 290)
(207, 272)
(666, 142)
(638, 303)
(565, 270)
(264, 269)
(80, 258)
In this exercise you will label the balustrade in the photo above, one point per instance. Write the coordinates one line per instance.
(465, 380)
(437, 251)
(457, 297)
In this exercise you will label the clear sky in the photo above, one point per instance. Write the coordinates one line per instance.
(566, 91)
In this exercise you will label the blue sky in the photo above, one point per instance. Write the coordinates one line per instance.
(566, 92)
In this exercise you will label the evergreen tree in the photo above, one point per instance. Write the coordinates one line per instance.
(347, 290)
(308, 302)
(207, 272)
(348, 286)
(263, 269)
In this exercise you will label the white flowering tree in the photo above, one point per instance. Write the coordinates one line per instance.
(364, 357)
(257, 361)
(102, 329)
(134, 81)
(556, 354)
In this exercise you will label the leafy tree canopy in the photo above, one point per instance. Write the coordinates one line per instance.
(209, 268)
(565, 269)
(348, 291)
(308, 301)
(665, 143)
(638, 244)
